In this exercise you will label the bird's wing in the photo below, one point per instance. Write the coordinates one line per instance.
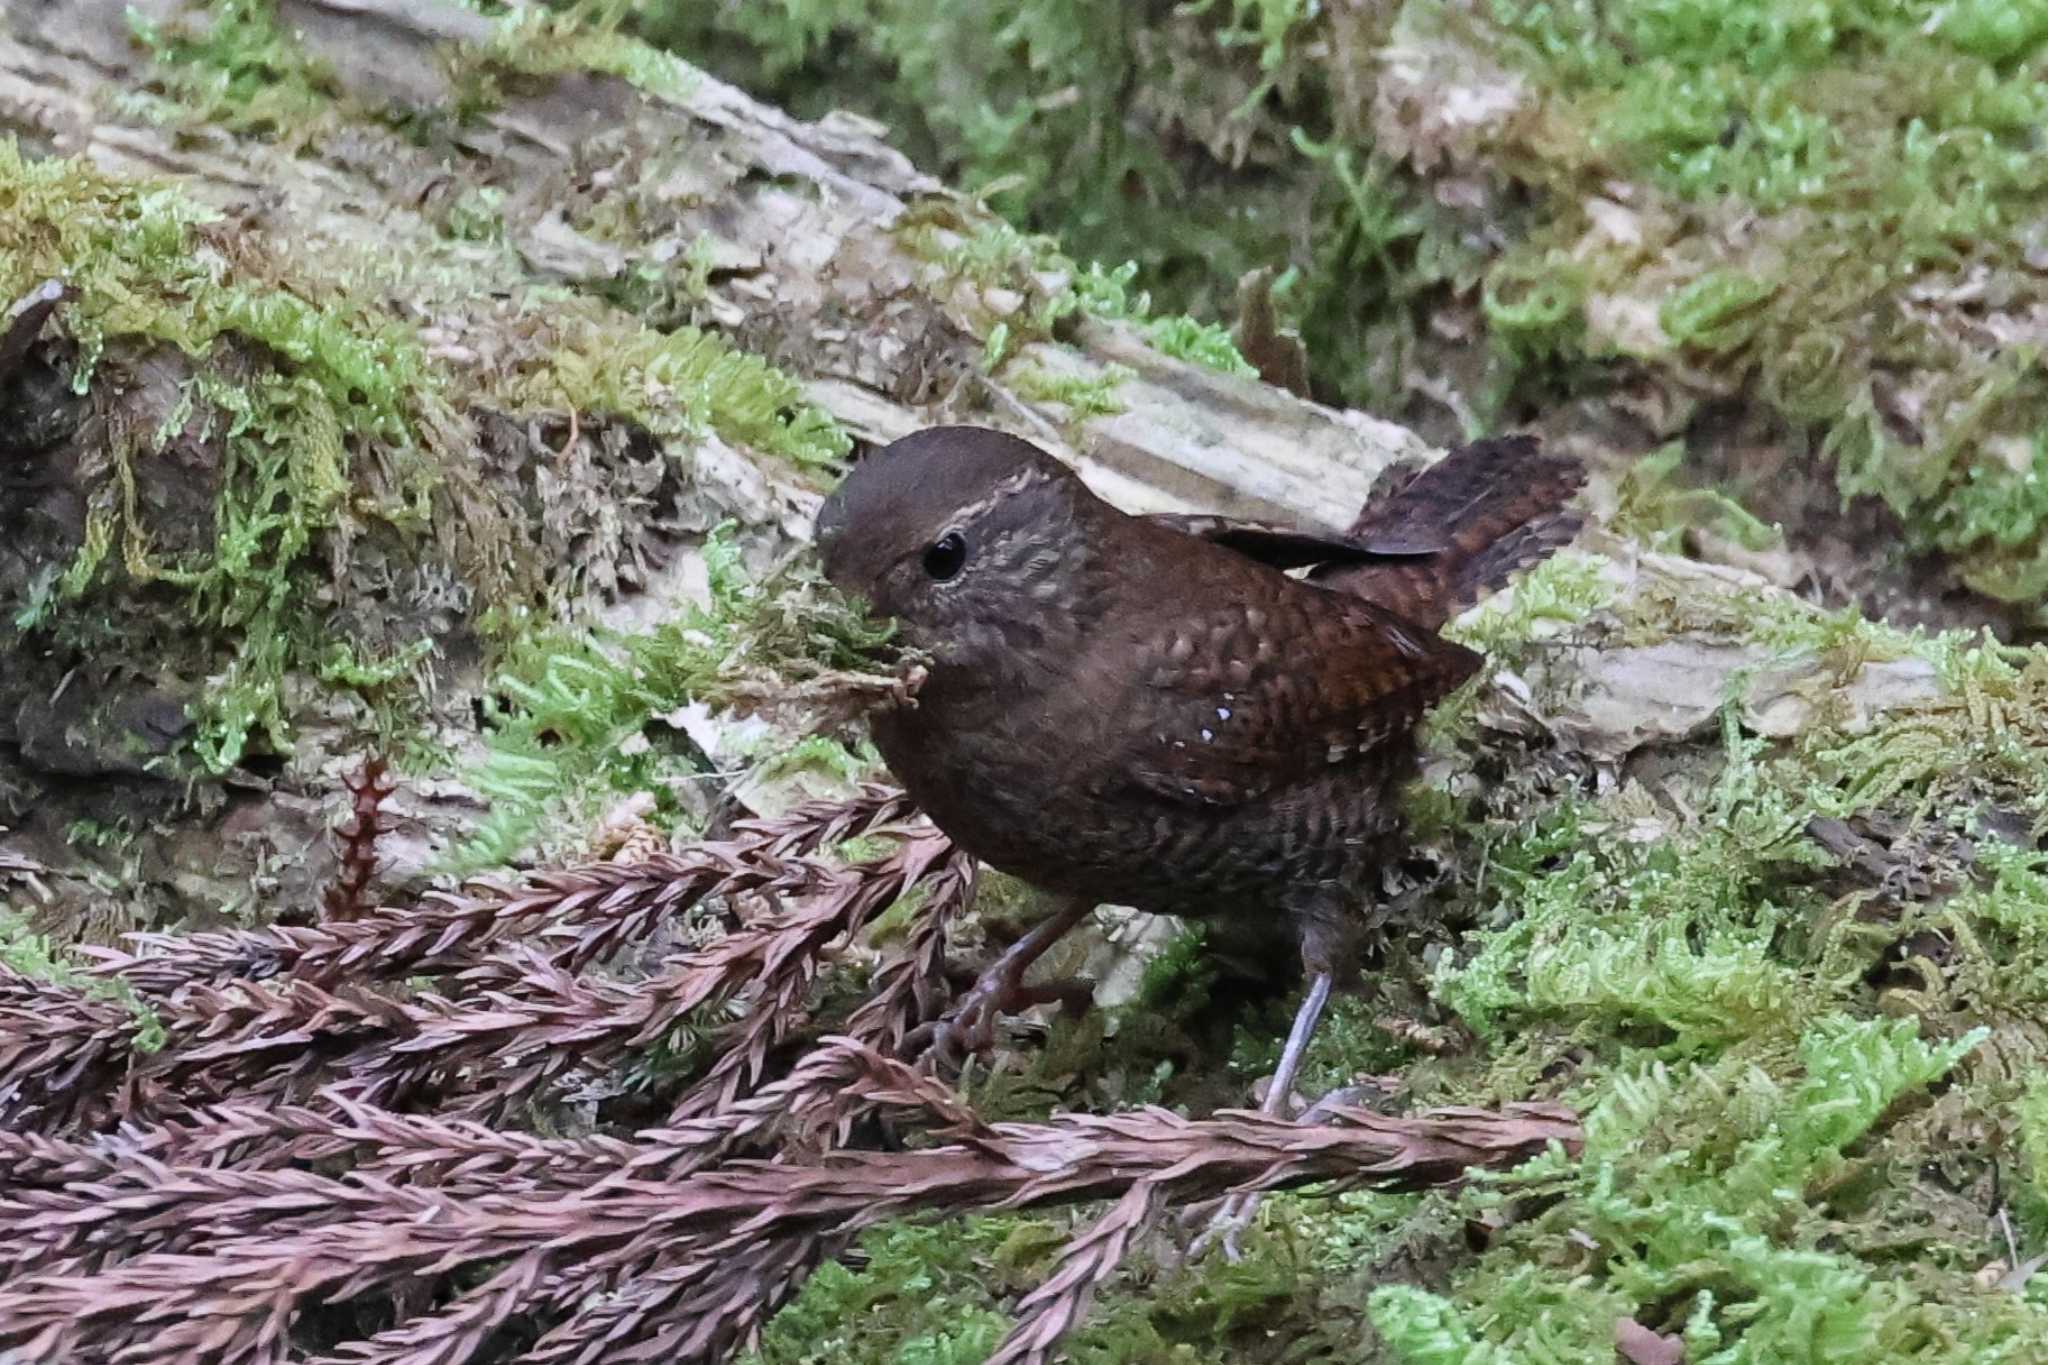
(1237, 700)
(1284, 548)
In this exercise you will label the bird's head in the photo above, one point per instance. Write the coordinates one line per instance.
(975, 541)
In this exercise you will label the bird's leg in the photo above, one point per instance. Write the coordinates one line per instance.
(970, 1026)
(1305, 1020)
(1238, 1209)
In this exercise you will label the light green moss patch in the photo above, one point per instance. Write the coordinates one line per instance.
(231, 66)
(672, 384)
(287, 390)
(574, 717)
(543, 42)
(1039, 288)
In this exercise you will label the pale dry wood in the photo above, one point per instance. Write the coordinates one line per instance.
(802, 219)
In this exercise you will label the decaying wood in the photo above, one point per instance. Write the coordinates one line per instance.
(813, 272)
(803, 215)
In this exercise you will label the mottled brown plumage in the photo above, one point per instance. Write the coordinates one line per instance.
(1149, 711)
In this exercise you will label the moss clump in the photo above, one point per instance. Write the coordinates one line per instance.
(923, 1291)
(1991, 726)
(932, 1292)
(579, 39)
(672, 384)
(1107, 294)
(573, 716)
(1041, 288)
(1676, 934)
(1708, 1241)
(1082, 396)
(287, 387)
(231, 66)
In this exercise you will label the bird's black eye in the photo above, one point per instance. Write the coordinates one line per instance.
(944, 556)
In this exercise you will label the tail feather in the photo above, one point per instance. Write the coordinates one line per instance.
(1496, 505)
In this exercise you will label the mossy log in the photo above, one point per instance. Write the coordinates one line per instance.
(409, 161)
(415, 158)
(803, 224)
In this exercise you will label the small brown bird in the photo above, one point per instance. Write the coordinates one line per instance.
(1151, 711)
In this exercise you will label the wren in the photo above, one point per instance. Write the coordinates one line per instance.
(1154, 711)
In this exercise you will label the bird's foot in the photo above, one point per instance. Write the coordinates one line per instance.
(969, 1028)
(1225, 1228)
(1238, 1209)
(966, 1030)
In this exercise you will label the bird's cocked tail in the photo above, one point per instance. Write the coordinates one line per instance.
(1495, 506)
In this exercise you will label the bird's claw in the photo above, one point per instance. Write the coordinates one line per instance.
(1225, 1228)
(967, 1030)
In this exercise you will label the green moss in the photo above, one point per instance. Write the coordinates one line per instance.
(673, 384)
(581, 38)
(1657, 510)
(1738, 1189)
(477, 215)
(993, 255)
(2033, 1115)
(661, 380)
(1560, 592)
(1710, 1236)
(573, 719)
(1107, 294)
(1987, 730)
(1424, 1329)
(1719, 311)
(923, 1294)
(329, 421)
(289, 390)
(940, 1292)
(1665, 935)
(230, 66)
(1081, 395)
